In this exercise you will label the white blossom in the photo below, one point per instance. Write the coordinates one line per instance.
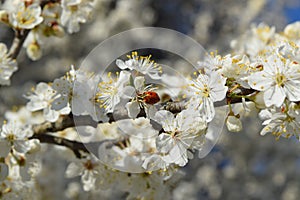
(237, 67)
(279, 79)
(27, 164)
(63, 88)
(255, 41)
(142, 65)
(84, 97)
(212, 62)
(204, 91)
(42, 98)
(26, 17)
(178, 135)
(292, 31)
(148, 186)
(7, 66)
(282, 122)
(15, 136)
(75, 12)
(142, 97)
(88, 168)
(23, 116)
(140, 128)
(111, 90)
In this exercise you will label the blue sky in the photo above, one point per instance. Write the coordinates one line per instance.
(292, 14)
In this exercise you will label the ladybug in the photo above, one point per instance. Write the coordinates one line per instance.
(150, 97)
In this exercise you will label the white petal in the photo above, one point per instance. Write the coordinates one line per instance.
(139, 83)
(88, 179)
(260, 81)
(267, 129)
(166, 119)
(123, 79)
(208, 109)
(219, 93)
(164, 143)
(59, 103)
(154, 162)
(50, 115)
(42, 88)
(128, 92)
(178, 155)
(121, 64)
(65, 111)
(36, 104)
(274, 96)
(74, 169)
(265, 114)
(133, 109)
(150, 111)
(21, 146)
(292, 91)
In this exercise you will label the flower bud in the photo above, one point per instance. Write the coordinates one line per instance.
(233, 124)
(259, 100)
(4, 16)
(34, 51)
(58, 31)
(292, 31)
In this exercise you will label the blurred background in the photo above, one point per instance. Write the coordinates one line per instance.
(243, 165)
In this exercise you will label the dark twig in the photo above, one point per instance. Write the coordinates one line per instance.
(66, 121)
(20, 36)
(76, 146)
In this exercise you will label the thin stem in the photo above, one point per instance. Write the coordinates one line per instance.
(20, 36)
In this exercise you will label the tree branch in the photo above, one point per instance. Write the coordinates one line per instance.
(67, 121)
(75, 146)
(20, 36)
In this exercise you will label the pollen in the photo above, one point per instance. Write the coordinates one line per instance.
(280, 79)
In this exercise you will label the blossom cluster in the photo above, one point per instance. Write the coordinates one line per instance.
(266, 64)
(148, 137)
(147, 125)
(164, 138)
(41, 20)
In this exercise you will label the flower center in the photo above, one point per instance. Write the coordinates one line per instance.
(74, 8)
(280, 79)
(205, 91)
(89, 165)
(11, 137)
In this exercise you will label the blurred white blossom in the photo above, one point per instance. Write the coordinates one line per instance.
(26, 17)
(75, 12)
(7, 65)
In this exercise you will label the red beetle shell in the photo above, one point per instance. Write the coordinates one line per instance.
(150, 97)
